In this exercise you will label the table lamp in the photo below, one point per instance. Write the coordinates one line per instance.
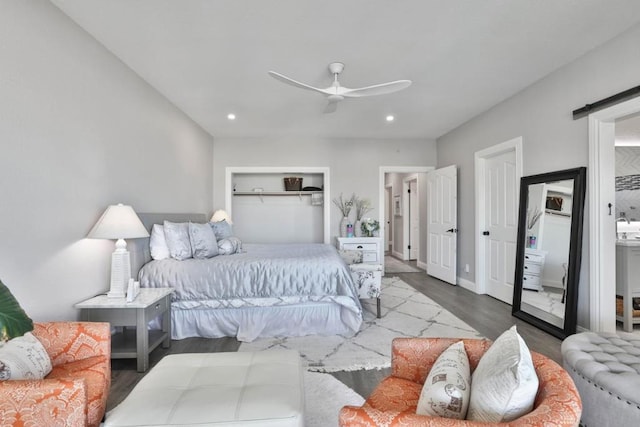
(119, 222)
(221, 215)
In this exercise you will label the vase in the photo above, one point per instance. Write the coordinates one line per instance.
(357, 228)
(343, 226)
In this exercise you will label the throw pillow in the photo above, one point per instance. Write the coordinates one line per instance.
(203, 241)
(24, 358)
(14, 322)
(177, 237)
(447, 388)
(229, 246)
(351, 257)
(158, 243)
(505, 384)
(222, 229)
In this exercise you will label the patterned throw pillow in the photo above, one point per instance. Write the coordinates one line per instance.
(447, 388)
(14, 322)
(177, 237)
(229, 246)
(24, 358)
(505, 384)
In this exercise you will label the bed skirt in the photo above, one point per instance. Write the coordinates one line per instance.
(250, 323)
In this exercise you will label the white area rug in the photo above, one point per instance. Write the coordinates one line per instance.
(405, 313)
(324, 396)
(393, 265)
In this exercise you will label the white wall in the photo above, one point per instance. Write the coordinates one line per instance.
(552, 139)
(79, 131)
(354, 163)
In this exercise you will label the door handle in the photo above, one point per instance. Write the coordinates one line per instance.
(452, 230)
(485, 233)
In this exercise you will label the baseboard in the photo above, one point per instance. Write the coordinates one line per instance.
(422, 265)
(581, 329)
(397, 255)
(467, 284)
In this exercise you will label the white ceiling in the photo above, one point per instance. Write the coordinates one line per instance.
(211, 57)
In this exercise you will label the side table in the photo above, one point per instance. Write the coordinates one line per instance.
(149, 304)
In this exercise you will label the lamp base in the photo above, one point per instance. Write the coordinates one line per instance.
(120, 271)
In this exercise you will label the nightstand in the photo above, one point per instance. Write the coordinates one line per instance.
(149, 304)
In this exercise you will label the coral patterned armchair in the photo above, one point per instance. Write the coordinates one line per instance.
(75, 391)
(394, 401)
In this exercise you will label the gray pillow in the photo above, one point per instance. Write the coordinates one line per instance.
(222, 229)
(229, 246)
(177, 236)
(203, 241)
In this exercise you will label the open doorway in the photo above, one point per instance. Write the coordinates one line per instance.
(404, 217)
(602, 211)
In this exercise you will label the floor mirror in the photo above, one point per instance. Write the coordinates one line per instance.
(549, 249)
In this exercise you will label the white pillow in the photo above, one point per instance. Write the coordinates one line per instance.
(24, 358)
(203, 241)
(158, 243)
(177, 236)
(505, 384)
(447, 388)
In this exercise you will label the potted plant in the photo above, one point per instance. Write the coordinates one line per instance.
(369, 227)
(362, 207)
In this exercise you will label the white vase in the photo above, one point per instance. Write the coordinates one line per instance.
(343, 226)
(357, 229)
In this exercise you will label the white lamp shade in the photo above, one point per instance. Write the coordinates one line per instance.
(118, 222)
(221, 215)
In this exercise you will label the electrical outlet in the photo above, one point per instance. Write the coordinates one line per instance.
(466, 268)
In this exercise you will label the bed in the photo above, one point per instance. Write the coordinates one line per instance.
(266, 290)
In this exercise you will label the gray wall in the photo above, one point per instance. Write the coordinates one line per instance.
(552, 139)
(354, 163)
(79, 131)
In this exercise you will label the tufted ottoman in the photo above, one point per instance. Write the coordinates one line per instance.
(606, 371)
(217, 389)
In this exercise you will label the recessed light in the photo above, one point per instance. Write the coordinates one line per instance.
(390, 118)
(231, 116)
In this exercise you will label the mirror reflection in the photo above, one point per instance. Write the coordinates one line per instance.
(547, 243)
(549, 246)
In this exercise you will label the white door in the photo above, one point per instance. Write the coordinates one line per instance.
(501, 225)
(388, 216)
(442, 220)
(414, 220)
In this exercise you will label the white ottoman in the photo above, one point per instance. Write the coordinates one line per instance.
(217, 389)
(606, 371)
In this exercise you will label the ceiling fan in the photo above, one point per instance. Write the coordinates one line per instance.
(336, 93)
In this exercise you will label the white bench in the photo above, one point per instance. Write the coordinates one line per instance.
(217, 389)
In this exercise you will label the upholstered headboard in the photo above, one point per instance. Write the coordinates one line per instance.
(139, 248)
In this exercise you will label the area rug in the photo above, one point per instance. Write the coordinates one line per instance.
(324, 396)
(405, 313)
(393, 265)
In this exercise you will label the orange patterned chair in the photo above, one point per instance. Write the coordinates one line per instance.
(75, 391)
(394, 401)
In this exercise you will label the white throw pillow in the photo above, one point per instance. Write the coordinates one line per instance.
(447, 388)
(203, 241)
(505, 384)
(24, 358)
(158, 243)
(177, 237)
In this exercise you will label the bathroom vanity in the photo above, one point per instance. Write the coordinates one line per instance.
(628, 279)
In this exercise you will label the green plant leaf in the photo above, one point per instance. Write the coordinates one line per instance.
(14, 322)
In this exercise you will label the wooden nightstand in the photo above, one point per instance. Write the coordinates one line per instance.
(149, 304)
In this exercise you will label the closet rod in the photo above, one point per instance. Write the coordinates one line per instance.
(606, 102)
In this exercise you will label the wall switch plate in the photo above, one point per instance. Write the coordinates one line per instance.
(466, 268)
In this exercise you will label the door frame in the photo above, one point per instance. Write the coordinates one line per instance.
(406, 226)
(601, 184)
(388, 208)
(480, 158)
(381, 189)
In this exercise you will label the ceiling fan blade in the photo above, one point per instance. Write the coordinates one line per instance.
(380, 89)
(289, 81)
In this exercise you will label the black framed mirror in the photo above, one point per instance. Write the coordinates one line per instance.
(549, 248)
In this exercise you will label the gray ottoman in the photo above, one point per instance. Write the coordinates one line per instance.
(606, 371)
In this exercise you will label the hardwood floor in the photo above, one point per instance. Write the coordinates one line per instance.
(487, 315)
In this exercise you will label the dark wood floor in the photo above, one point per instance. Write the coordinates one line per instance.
(487, 315)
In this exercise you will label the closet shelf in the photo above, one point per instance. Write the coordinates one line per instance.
(275, 193)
